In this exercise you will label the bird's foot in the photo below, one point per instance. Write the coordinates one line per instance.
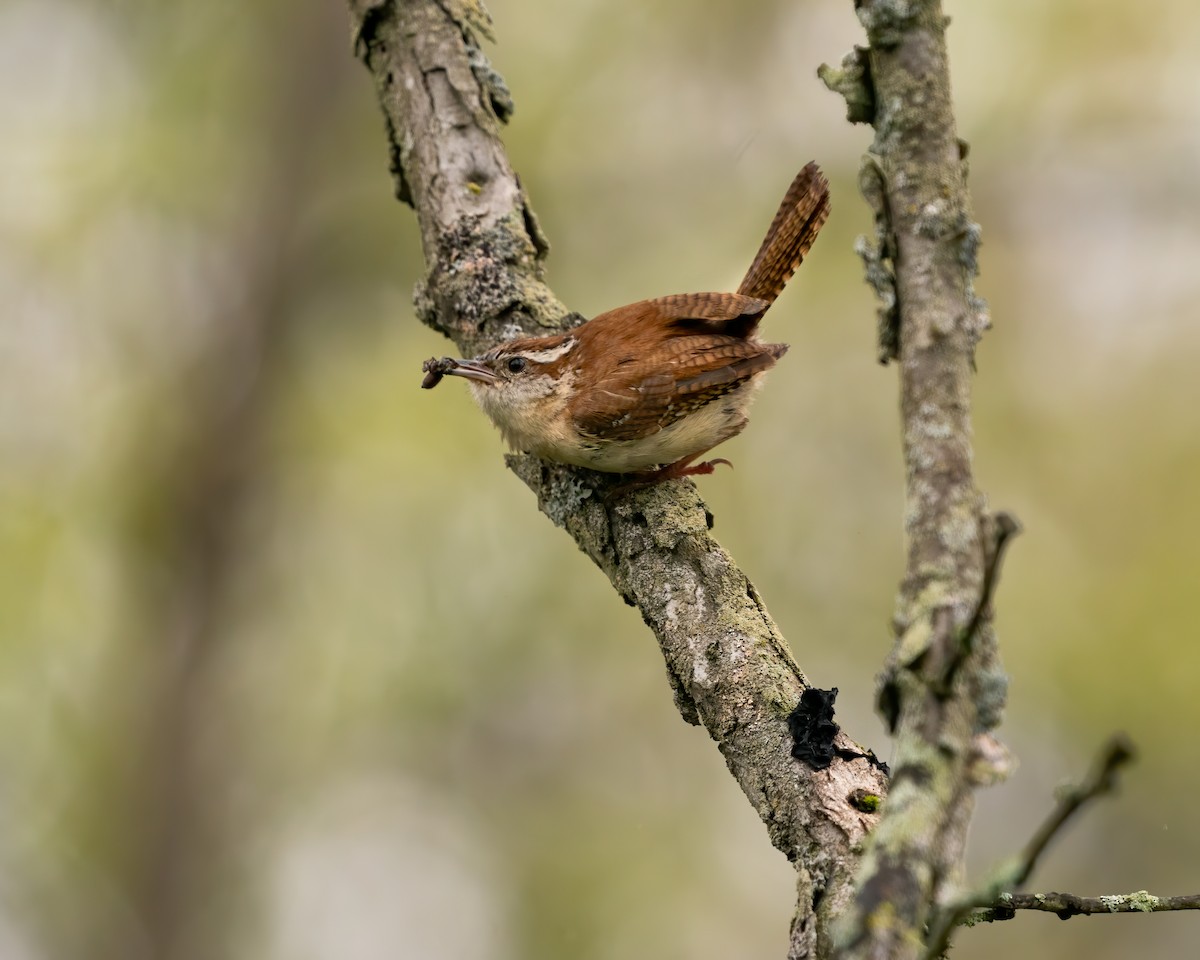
(681, 469)
(672, 471)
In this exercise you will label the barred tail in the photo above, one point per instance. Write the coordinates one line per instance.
(804, 210)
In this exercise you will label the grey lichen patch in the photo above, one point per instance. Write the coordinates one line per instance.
(959, 531)
(978, 319)
(878, 257)
(920, 494)
(971, 239)
(485, 285)
(923, 612)
(1143, 901)
(886, 21)
(1113, 902)
(935, 221)
(991, 695)
(852, 81)
(528, 468)
(473, 273)
(873, 184)
(881, 279)
(684, 604)
(496, 93)
(510, 240)
(562, 491)
(668, 512)
(545, 312)
(888, 112)
(472, 17)
(743, 629)
(914, 642)
(929, 422)
(526, 246)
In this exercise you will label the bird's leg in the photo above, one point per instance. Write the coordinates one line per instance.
(685, 468)
(672, 471)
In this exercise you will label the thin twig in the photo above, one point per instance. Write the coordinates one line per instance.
(1102, 779)
(1004, 527)
(995, 895)
(956, 647)
(1068, 905)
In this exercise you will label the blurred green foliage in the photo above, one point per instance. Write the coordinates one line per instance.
(291, 667)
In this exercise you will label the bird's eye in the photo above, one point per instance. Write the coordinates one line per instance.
(516, 364)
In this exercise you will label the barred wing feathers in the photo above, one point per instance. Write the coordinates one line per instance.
(681, 353)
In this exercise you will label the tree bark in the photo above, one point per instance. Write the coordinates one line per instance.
(942, 690)
(729, 667)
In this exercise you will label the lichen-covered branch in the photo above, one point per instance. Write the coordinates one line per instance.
(729, 668)
(442, 106)
(1068, 905)
(941, 691)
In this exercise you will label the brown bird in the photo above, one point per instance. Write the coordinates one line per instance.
(649, 387)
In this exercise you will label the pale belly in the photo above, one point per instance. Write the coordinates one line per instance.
(533, 429)
(693, 435)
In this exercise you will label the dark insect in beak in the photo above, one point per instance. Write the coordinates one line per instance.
(470, 369)
(434, 370)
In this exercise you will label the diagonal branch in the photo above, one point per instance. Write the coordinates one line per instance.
(1101, 780)
(729, 667)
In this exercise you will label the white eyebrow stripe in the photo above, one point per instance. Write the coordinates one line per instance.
(553, 353)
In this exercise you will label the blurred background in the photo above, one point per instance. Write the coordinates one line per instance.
(290, 665)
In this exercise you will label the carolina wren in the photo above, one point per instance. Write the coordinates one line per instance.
(649, 387)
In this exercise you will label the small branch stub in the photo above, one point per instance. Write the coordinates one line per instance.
(852, 81)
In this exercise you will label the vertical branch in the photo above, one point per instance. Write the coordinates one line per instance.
(941, 690)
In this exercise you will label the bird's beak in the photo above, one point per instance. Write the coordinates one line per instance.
(472, 370)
